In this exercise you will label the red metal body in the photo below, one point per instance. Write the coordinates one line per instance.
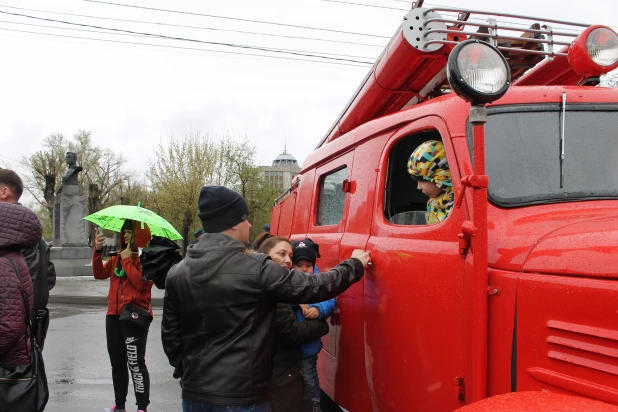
(478, 369)
(411, 334)
(493, 300)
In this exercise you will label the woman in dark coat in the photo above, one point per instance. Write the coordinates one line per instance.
(19, 229)
(287, 383)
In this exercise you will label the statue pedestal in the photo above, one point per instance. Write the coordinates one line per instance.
(71, 254)
(70, 228)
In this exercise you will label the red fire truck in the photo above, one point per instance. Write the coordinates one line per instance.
(512, 300)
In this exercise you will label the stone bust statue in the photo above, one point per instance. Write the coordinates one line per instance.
(70, 176)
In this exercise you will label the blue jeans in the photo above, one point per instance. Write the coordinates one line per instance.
(309, 369)
(194, 406)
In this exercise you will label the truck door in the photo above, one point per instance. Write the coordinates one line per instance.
(342, 366)
(414, 289)
(329, 212)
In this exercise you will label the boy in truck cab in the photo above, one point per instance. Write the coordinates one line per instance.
(429, 167)
(305, 254)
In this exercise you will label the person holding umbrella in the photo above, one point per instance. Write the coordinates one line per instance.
(128, 313)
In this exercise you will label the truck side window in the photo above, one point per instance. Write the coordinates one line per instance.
(331, 198)
(404, 204)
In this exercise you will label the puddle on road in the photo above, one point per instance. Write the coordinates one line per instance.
(58, 311)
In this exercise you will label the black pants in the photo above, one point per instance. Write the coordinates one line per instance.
(126, 345)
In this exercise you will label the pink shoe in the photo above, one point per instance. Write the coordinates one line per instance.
(114, 409)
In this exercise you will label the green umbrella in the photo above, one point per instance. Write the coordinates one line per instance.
(113, 217)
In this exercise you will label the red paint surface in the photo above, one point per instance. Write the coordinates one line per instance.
(538, 401)
(406, 332)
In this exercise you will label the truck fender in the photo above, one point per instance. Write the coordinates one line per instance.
(537, 401)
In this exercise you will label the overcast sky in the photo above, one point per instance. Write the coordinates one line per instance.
(131, 96)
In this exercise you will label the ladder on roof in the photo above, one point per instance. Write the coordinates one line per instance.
(525, 41)
(411, 69)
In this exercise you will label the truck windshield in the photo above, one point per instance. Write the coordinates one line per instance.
(523, 154)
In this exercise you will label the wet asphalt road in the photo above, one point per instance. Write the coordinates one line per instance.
(78, 369)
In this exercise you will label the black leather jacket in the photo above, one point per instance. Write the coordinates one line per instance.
(218, 317)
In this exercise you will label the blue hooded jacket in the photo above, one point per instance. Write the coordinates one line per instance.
(326, 309)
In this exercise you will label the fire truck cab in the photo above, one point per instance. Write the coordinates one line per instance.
(517, 289)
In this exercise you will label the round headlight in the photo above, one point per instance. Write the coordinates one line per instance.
(602, 46)
(478, 72)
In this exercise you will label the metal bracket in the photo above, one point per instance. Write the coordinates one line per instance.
(473, 181)
(468, 230)
(346, 186)
(550, 41)
(459, 388)
(417, 31)
(478, 114)
(493, 31)
(476, 181)
(493, 290)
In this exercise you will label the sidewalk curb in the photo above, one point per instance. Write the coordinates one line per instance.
(91, 300)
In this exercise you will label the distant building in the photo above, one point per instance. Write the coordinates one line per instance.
(282, 171)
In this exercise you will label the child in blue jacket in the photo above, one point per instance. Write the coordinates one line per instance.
(305, 253)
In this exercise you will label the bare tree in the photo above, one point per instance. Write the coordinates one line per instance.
(184, 165)
(103, 171)
(131, 192)
(46, 169)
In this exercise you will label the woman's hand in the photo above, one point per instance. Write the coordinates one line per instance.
(99, 242)
(309, 313)
(126, 253)
(312, 313)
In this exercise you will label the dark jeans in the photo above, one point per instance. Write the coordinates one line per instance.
(309, 368)
(194, 406)
(126, 345)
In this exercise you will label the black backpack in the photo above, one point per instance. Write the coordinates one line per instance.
(157, 259)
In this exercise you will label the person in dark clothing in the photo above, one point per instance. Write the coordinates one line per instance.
(196, 236)
(19, 228)
(41, 269)
(287, 388)
(219, 308)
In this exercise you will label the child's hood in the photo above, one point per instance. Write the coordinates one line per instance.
(429, 162)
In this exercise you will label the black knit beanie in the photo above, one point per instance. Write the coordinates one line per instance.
(221, 208)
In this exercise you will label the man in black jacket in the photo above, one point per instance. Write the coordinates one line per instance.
(219, 308)
(41, 269)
